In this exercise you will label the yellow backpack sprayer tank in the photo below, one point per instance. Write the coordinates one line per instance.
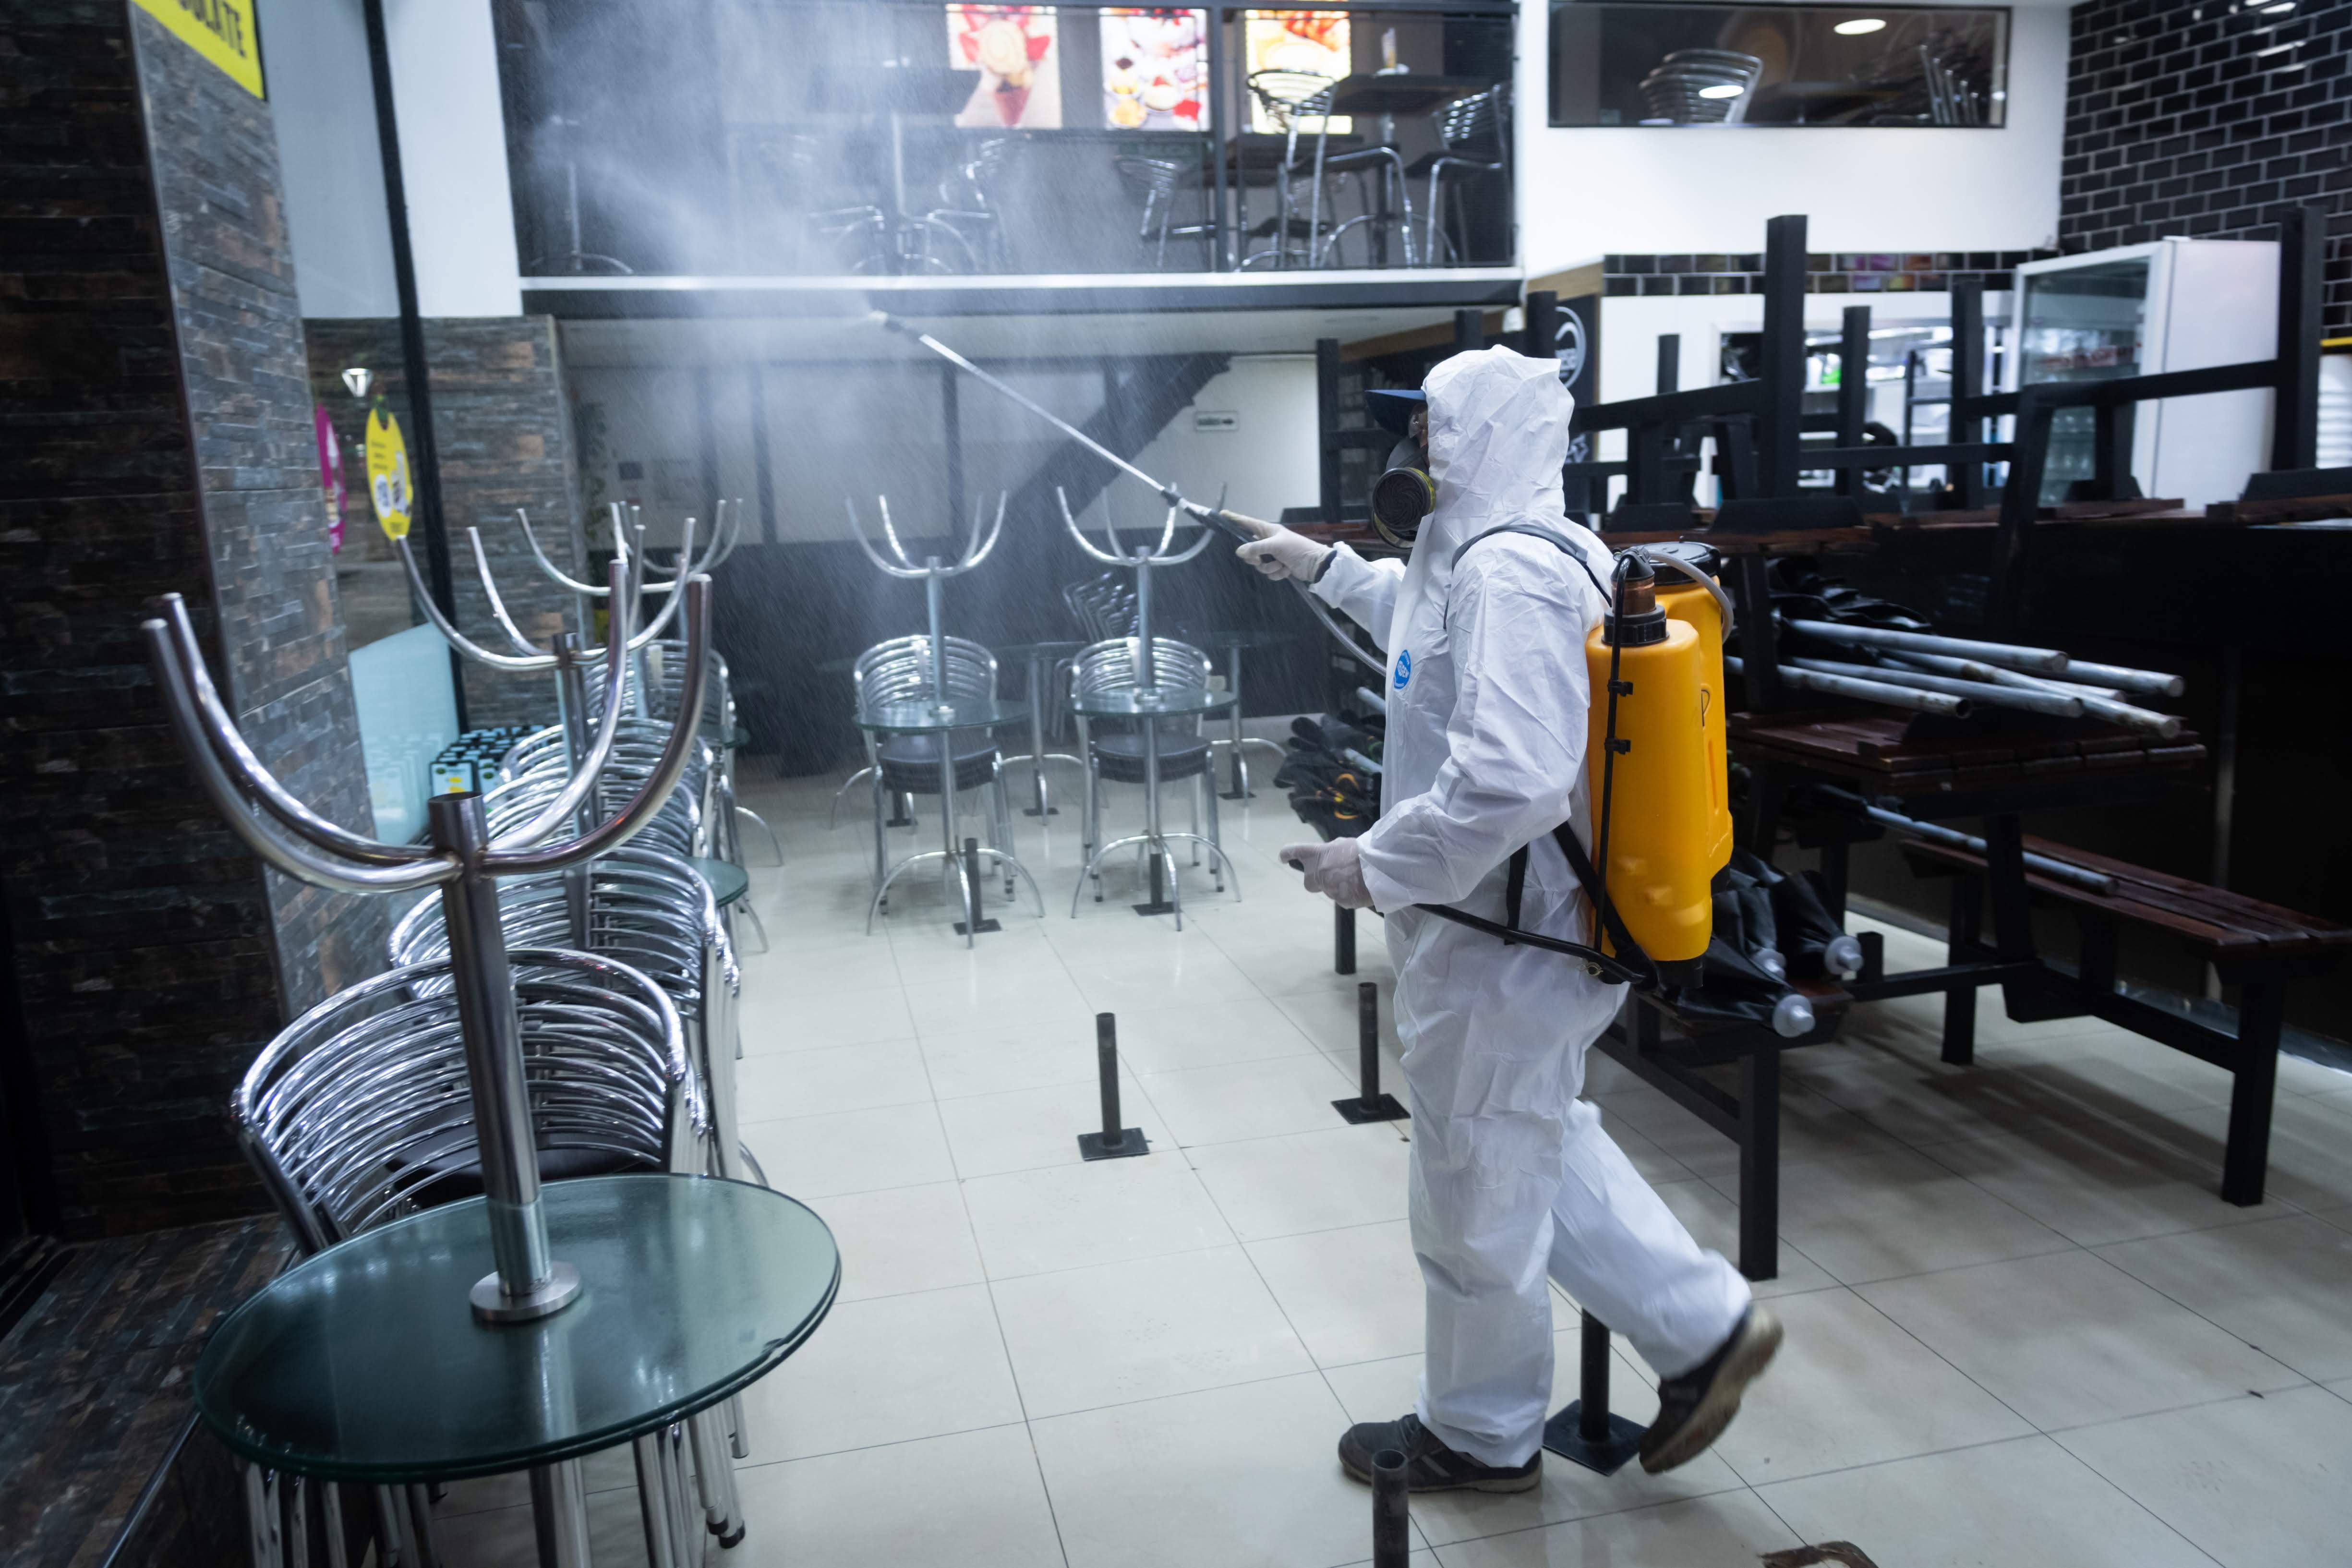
(1687, 591)
(1659, 793)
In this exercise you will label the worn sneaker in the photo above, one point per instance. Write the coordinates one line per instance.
(1694, 1408)
(1428, 1465)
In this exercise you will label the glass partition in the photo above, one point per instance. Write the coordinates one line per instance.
(1778, 65)
(748, 138)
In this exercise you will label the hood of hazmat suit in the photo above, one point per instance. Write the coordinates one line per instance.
(1486, 694)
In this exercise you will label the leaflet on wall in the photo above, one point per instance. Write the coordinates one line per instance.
(1013, 49)
(1155, 66)
(387, 473)
(330, 476)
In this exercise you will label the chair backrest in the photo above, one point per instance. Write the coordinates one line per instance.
(1473, 126)
(1151, 178)
(1110, 665)
(1290, 96)
(646, 908)
(1673, 91)
(661, 665)
(359, 1109)
(1103, 607)
(678, 828)
(901, 670)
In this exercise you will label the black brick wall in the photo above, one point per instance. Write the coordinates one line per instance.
(149, 958)
(2198, 120)
(1826, 272)
(505, 441)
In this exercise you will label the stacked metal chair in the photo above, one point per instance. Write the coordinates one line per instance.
(406, 1092)
(1115, 755)
(903, 670)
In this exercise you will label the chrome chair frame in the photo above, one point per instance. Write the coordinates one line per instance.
(1114, 666)
(1461, 124)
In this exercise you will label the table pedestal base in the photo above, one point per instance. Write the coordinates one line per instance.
(1166, 897)
(965, 879)
(493, 1305)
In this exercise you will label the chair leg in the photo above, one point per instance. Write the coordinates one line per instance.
(262, 1541)
(774, 844)
(420, 1527)
(714, 1474)
(1195, 806)
(653, 1503)
(1217, 842)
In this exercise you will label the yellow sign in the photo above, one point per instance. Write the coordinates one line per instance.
(220, 30)
(387, 473)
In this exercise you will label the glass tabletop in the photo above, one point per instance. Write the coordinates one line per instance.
(366, 1362)
(727, 880)
(1130, 702)
(923, 715)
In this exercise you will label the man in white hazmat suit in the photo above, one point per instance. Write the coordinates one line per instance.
(1512, 1176)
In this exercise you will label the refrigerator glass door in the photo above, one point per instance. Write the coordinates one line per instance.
(2081, 323)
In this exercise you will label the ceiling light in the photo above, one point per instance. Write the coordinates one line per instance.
(1859, 25)
(1722, 90)
(358, 379)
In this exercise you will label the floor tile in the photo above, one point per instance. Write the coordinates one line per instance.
(1207, 1033)
(1830, 1398)
(851, 1151)
(1324, 1180)
(974, 1499)
(1326, 1013)
(1133, 979)
(2257, 1483)
(1259, 1487)
(1812, 1130)
(902, 1239)
(2280, 1284)
(1881, 1215)
(1087, 1338)
(2021, 1501)
(803, 971)
(1727, 1530)
(1032, 995)
(829, 1079)
(1353, 1295)
(995, 1061)
(1713, 1219)
(2068, 1339)
(1249, 1099)
(775, 1018)
(892, 1369)
(1029, 1129)
(1382, 1389)
(2098, 1181)
(1073, 1215)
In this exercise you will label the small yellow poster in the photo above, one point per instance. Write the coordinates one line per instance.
(387, 473)
(220, 30)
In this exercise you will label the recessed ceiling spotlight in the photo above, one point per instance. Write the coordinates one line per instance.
(1722, 90)
(1860, 26)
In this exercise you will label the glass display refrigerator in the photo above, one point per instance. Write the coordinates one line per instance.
(2144, 309)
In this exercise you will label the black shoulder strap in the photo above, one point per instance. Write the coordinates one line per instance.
(1551, 536)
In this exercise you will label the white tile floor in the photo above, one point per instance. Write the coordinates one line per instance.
(2022, 1327)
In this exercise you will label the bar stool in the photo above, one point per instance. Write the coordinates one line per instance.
(1106, 678)
(1471, 138)
(903, 670)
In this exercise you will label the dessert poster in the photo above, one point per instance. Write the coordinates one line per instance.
(1013, 49)
(1155, 66)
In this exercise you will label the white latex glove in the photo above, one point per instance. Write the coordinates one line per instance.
(1279, 553)
(1335, 870)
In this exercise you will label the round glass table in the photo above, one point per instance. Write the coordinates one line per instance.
(923, 715)
(1039, 658)
(367, 1363)
(1147, 705)
(727, 880)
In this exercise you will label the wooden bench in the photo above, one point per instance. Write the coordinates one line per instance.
(2254, 945)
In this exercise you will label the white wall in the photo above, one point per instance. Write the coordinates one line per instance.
(323, 104)
(1264, 465)
(1586, 193)
(453, 156)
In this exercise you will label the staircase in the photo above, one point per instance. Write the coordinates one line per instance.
(1151, 393)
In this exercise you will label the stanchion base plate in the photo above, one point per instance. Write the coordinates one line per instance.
(1382, 1108)
(985, 927)
(1131, 1142)
(1561, 1436)
(1158, 907)
(900, 822)
(1238, 794)
(1033, 811)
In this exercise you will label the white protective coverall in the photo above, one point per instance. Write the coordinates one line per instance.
(1487, 691)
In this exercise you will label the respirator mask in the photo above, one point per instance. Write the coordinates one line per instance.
(1403, 494)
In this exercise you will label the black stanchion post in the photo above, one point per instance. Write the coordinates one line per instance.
(1371, 1104)
(1343, 939)
(1113, 1141)
(1584, 1432)
(971, 880)
(1391, 1512)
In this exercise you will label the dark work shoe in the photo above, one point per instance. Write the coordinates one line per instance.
(1428, 1465)
(1694, 1408)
